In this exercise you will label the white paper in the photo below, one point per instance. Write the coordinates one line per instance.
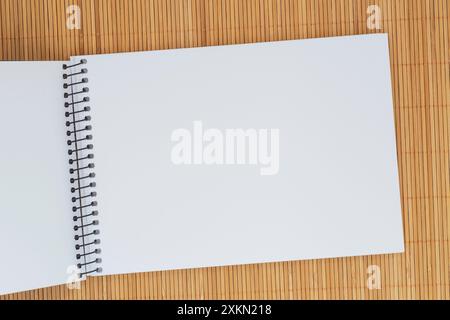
(336, 192)
(36, 236)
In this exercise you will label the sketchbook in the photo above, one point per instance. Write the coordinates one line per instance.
(199, 157)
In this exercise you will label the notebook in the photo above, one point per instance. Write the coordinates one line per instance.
(198, 157)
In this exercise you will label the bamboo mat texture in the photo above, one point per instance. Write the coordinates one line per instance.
(419, 50)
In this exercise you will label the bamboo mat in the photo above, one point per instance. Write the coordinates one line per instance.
(419, 49)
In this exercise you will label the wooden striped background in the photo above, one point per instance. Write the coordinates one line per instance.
(419, 47)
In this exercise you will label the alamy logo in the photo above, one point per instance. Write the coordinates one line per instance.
(227, 147)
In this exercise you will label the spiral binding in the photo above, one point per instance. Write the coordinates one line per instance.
(81, 165)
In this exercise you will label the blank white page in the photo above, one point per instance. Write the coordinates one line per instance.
(336, 192)
(36, 235)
